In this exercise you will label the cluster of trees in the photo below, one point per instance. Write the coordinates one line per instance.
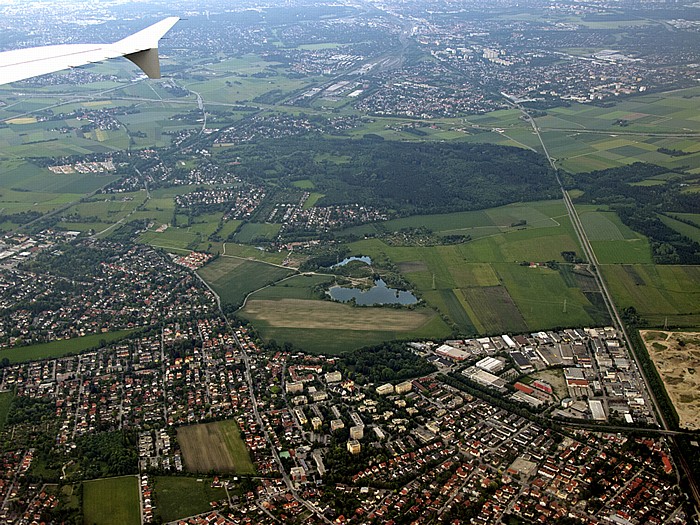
(30, 410)
(408, 177)
(640, 207)
(22, 217)
(72, 261)
(673, 152)
(106, 454)
(385, 362)
(667, 245)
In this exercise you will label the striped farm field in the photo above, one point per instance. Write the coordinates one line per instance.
(214, 447)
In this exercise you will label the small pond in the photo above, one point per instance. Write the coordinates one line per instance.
(380, 293)
(364, 259)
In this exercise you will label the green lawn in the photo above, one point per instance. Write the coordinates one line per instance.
(170, 505)
(61, 348)
(177, 239)
(250, 232)
(5, 404)
(113, 501)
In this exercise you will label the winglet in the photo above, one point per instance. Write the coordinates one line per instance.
(142, 47)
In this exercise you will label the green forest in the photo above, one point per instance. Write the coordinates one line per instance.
(411, 178)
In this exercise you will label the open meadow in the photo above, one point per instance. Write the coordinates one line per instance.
(170, 505)
(330, 328)
(661, 294)
(112, 501)
(214, 447)
(233, 278)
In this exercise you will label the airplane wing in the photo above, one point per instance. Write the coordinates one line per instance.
(141, 48)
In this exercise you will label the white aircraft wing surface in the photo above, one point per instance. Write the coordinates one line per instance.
(141, 48)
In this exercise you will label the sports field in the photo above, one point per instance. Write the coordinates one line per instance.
(113, 501)
(214, 447)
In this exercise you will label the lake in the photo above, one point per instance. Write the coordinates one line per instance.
(380, 293)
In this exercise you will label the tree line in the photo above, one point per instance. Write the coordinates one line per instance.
(640, 207)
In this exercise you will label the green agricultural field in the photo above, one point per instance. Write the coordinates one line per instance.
(493, 310)
(604, 225)
(27, 178)
(327, 327)
(214, 447)
(689, 230)
(205, 224)
(585, 138)
(170, 505)
(229, 228)
(545, 300)
(55, 349)
(452, 304)
(690, 217)
(172, 239)
(113, 501)
(631, 251)
(245, 251)
(251, 231)
(108, 210)
(509, 219)
(296, 287)
(482, 287)
(84, 226)
(6, 399)
(233, 88)
(234, 278)
(661, 294)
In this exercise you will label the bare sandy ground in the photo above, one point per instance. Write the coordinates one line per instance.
(677, 358)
